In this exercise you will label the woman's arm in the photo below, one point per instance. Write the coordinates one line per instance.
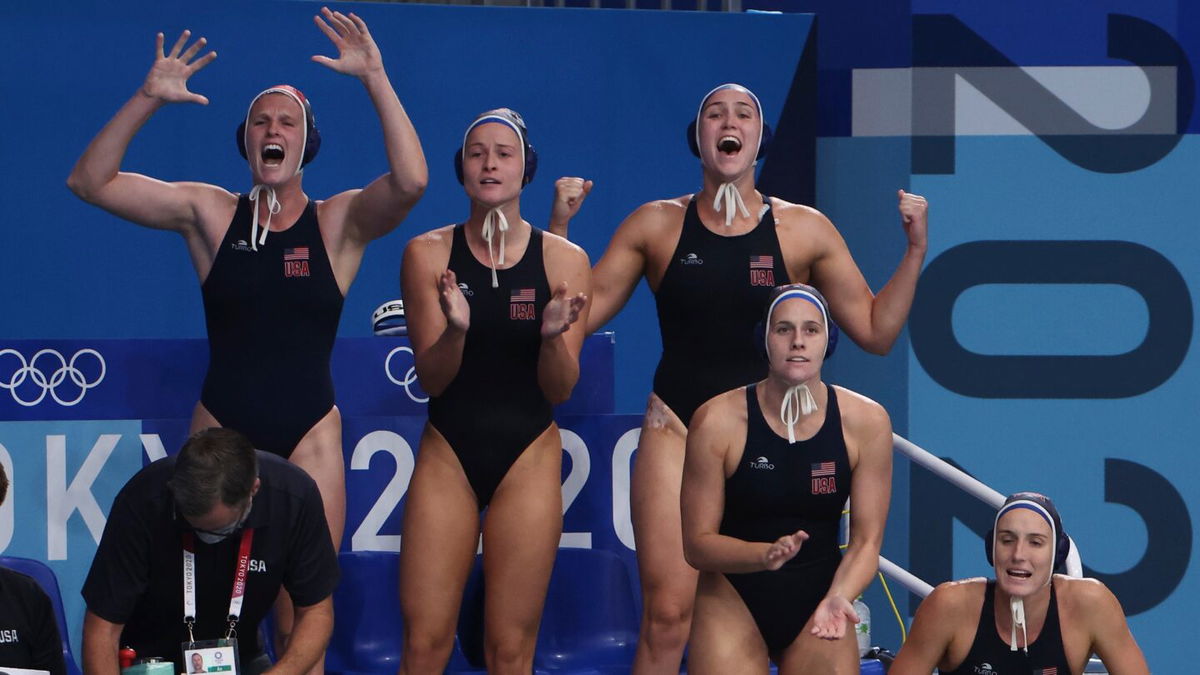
(378, 208)
(932, 631)
(97, 178)
(563, 318)
(873, 321)
(437, 313)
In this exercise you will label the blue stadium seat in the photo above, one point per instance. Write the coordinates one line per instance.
(49, 583)
(871, 667)
(266, 636)
(590, 624)
(367, 626)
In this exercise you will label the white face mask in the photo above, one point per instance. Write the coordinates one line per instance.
(217, 536)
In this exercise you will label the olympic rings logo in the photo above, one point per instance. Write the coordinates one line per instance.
(30, 370)
(410, 377)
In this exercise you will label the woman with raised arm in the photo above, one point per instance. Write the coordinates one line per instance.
(768, 471)
(274, 265)
(711, 259)
(492, 306)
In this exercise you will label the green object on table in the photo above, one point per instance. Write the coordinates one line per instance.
(153, 668)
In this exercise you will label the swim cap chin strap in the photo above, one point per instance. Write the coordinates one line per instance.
(494, 220)
(1017, 605)
(729, 198)
(797, 401)
(273, 207)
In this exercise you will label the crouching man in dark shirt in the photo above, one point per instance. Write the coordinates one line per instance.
(227, 518)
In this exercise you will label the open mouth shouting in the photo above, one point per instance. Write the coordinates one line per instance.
(729, 145)
(272, 154)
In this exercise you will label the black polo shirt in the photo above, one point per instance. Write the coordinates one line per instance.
(136, 578)
(28, 631)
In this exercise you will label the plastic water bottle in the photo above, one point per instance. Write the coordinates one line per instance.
(862, 629)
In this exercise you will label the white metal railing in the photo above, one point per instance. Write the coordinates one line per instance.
(967, 483)
(906, 579)
(950, 473)
(947, 471)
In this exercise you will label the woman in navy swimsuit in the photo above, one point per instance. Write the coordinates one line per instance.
(492, 307)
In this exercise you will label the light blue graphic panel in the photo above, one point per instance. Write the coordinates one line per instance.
(1132, 519)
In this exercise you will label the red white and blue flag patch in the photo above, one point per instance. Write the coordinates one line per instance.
(520, 304)
(295, 262)
(823, 469)
(298, 253)
(762, 262)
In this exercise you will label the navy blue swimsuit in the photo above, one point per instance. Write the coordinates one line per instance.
(992, 655)
(777, 489)
(272, 315)
(495, 408)
(709, 301)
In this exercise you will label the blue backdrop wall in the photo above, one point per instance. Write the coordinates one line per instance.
(1051, 337)
(607, 95)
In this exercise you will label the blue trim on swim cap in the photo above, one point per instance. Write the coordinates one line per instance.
(1032, 506)
(497, 119)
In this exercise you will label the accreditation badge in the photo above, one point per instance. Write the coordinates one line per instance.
(212, 656)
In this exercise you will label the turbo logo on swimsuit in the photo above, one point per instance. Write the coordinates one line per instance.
(30, 370)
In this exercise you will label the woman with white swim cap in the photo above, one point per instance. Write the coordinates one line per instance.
(768, 471)
(711, 259)
(1028, 619)
(495, 311)
(274, 265)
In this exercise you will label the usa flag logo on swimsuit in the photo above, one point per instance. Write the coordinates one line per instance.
(762, 270)
(295, 262)
(823, 469)
(1049, 671)
(823, 480)
(520, 304)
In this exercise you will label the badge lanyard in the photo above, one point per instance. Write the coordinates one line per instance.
(239, 582)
